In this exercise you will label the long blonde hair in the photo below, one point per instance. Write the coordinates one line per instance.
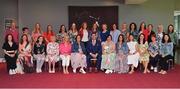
(37, 29)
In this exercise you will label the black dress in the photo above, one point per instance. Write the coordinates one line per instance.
(11, 61)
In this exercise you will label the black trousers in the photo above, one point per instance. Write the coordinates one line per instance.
(163, 62)
(154, 60)
(10, 62)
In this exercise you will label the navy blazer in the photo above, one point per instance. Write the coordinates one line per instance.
(75, 47)
(97, 48)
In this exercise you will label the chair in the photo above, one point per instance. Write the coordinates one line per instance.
(170, 64)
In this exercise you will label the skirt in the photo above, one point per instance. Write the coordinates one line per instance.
(108, 61)
(78, 60)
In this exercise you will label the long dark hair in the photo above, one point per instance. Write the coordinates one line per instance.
(141, 26)
(121, 35)
(135, 26)
(163, 40)
(21, 41)
(143, 39)
(6, 38)
(172, 29)
(44, 41)
(51, 30)
(60, 30)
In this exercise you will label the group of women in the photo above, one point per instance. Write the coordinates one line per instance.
(96, 49)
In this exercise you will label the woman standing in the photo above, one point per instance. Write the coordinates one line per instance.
(121, 65)
(52, 53)
(142, 29)
(39, 53)
(133, 55)
(48, 34)
(65, 53)
(144, 55)
(133, 30)
(73, 32)
(83, 32)
(173, 37)
(108, 55)
(78, 58)
(61, 34)
(10, 50)
(104, 33)
(166, 52)
(36, 32)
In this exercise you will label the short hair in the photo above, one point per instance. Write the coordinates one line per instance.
(24, 28)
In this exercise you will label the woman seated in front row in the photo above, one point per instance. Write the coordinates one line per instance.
(39, 53)
(133, 56)
(52, 53)
(108, 55)
(166, 52)
(78, 58)
(25, 57)
(121, 65)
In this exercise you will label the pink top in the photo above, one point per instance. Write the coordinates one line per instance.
(14, 33)
(65, 48)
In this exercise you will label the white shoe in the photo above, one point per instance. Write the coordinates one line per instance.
(37, 71)
(107, 71)
(110, 71)
(155, 69)
(53, 71)
(152, 67)
(82, 71)
(74, 70)
(13, 71)
(50, 71)
(40, 70)
(10, 72)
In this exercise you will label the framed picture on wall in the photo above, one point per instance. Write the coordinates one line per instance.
(92, 14)
(7, 23)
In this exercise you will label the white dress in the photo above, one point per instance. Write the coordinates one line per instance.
(133, 59)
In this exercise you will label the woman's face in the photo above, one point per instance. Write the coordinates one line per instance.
(166, 38)
(24, 38)
(66, 38)
(114, 26)
(13, 25)
(109, 38)
(78, 39)
(73, 26)
(142, 25)
(63, 28)
(94, 26)
(150, 27)
(49, 28)
(141, 37)
(37, 26)
(153, 39)
(171, 28)
(85, 25)
(132, 26)
(120, 39)
(40, 39)
(131, 38)
(104, 27)
(9, 37)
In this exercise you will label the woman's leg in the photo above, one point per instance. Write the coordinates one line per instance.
(49, 62)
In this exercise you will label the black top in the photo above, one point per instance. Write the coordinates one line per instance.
(12, 48)
(39, 48)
